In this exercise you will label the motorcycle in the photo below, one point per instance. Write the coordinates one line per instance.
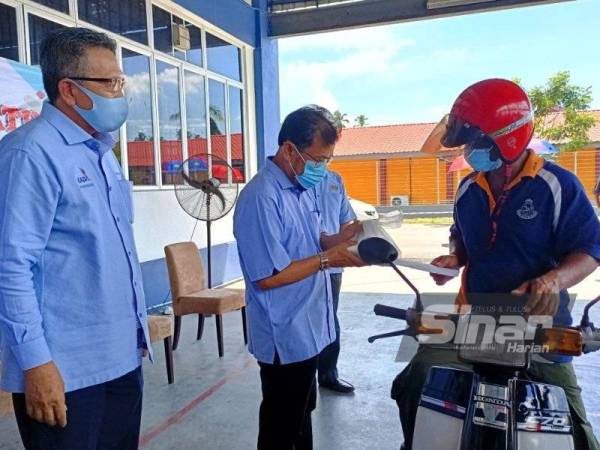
(494, 406)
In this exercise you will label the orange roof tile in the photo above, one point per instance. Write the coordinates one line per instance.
(383, 139)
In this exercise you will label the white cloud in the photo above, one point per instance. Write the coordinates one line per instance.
(194, 83)
(168, 76)
(359, 39)
(372, 53)
(138, 84)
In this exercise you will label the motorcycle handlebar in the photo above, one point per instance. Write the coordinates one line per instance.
(390, 311)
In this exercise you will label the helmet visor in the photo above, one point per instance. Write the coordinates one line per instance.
(452, 135)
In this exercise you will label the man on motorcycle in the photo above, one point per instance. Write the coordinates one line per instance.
(522, 225)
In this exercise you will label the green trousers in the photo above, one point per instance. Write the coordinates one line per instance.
(407, 387)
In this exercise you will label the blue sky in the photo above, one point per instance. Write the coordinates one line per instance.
(412, 72)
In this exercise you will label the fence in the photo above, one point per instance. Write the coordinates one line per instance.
(426, 180)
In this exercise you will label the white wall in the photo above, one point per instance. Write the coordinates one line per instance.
(159, 220)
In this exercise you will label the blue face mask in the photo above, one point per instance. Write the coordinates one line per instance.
(107, 114)
(313, 174)
(479, 159)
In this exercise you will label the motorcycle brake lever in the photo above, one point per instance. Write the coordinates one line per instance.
(405, 332)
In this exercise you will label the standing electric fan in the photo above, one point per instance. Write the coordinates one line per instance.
(206, 189)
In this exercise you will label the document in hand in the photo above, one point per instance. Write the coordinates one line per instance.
(426, 267)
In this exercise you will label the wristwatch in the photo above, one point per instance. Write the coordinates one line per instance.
(323, 261)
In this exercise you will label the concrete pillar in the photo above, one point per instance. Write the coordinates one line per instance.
(266, 82)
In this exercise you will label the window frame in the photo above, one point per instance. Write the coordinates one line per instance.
(25, 8)
(241, 54)
(170, 60)
(50, 17)
(123, 131)
(197, 71)
(20, 27)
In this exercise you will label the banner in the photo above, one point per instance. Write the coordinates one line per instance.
(21, 94)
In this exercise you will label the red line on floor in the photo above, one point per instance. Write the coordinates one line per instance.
(155, 431)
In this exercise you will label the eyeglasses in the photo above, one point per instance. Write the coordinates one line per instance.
(115, 84)
(325, 161)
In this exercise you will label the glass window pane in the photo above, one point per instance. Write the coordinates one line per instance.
(59, 5)
(179, 54)
(194, 54)
(124, 17)
(163, 23)
(140, 148)
(169, 116)
(196, 113)
(9, 45)
(162, 30)
(236, 128)
(218, 118)
(223, 57)
(38, 30)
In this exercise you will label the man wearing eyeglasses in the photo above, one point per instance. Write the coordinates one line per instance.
(278, 225)
(72, 309)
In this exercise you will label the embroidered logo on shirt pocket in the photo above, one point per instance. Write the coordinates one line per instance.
(83, 180)
(527, 211)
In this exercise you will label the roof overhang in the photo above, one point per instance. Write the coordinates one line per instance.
(328, 15)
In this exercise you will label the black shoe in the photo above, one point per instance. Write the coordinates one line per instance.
(339, 385)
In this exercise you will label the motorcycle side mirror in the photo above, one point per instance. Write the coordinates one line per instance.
(375, 246)
(585, 319)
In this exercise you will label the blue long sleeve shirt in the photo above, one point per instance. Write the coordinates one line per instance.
(70, 281)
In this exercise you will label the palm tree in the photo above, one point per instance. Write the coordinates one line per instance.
(361, 120)
(340, 119)
(216, 116)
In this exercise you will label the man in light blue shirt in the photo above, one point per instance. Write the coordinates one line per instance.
(338, 217)
(277, 226)
(72, 309)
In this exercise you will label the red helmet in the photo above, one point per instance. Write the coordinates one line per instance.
(495, 111)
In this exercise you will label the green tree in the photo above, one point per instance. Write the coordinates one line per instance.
(340, 119)
(361, 120)
(559, 95)
(216, 116)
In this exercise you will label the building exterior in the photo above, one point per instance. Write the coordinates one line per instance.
(207, 96)
(380, 164)
(203, 77)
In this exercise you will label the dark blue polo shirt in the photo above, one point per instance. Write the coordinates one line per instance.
(547, 215)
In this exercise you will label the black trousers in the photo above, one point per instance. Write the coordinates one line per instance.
(289, 396)
(328, 358)
(106, 416)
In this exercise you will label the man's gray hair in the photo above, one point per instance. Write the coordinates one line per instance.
(62, 55)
